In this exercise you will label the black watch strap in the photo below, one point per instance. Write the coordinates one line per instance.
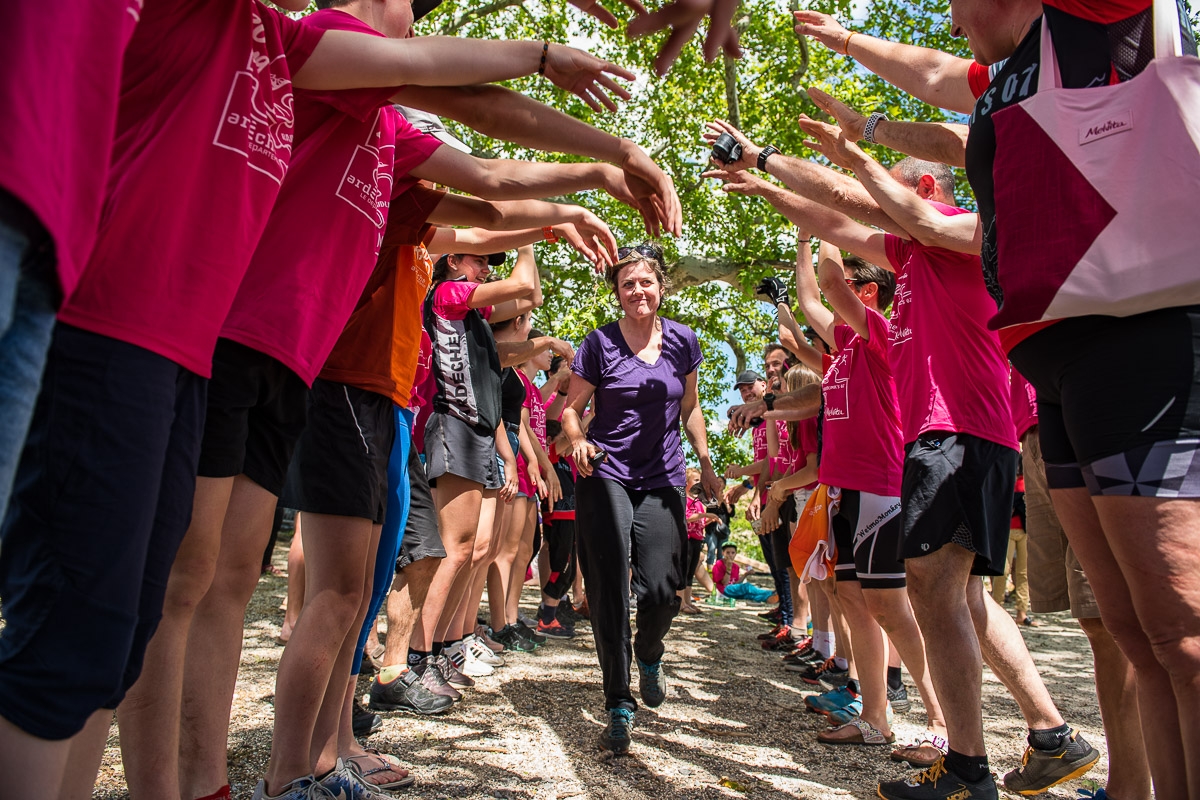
(764, 154)
(769, 399)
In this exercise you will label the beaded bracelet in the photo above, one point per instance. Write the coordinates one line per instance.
(542, 66)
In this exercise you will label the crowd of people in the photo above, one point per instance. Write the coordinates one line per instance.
(234, 279)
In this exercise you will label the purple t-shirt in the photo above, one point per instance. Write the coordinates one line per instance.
(638, 404)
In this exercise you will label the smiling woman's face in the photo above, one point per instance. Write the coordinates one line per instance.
(639, 290)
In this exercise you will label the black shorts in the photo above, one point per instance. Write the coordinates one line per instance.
(102, 499)
(453, 447)
(867, 532)
(256, 412)
(422, 539)
(958, 489)
(341, 461)
(1138, 435)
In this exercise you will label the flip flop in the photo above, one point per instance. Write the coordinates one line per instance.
(865, 733)
(364, 771)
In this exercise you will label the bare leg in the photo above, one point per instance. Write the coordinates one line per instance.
(87, 751)
(869, 654)
(33, 767)
(526, 516)
(890, 607)
(458, 502)
(508, 535)
(149, 714)
(484, 551)
(215, 640)
(800, 603)
(295, 593)
(404, 608)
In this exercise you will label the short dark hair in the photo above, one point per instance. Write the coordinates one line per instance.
(728, 545)
(772, 347)
(909, 171)
(647, 252)
(865, 272)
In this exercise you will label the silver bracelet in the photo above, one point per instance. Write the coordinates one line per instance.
(872, 121)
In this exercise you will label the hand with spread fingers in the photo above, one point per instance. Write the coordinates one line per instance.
(683, 17)
(850, 121)
(640, 183)
(827, 140)
(822, 27)
(586, 76)
(739, 182)
(750, 150)
(605, 16)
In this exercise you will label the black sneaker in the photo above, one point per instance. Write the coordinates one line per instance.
(529, 633)
(1041, 769)
(616, 733)
(652, 683)
(566, 614)
(363, 722)
(899, 699)
(774, 615)
(451, 673)
(433, 679)
(511, 638)
(936, 783)
(406, 693)
(827, 672)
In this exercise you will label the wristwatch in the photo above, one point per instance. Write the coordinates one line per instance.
(872, 121)
(769, 399)
(764, 154)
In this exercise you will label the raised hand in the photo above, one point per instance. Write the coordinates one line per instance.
(647, 181)
(850, 121)
(593, 229)
(586, 76)
(601, 13)
(683, 17)
(750, 150)
(827, 140)
(740, 182)
(822, 27)
(773, 290)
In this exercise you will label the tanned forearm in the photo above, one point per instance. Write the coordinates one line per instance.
(940, 142)
(830, 189)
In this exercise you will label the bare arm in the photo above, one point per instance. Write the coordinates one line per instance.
(697, 434)
(933, 76)
(792, 337)
(809, 297)
(525, 273)
(943, 142)
(843, 299)
(806, 400)
(582, 451)
(519, 352)
(504, 450)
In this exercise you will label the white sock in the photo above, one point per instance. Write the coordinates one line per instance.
(841, 663)
(822, 642)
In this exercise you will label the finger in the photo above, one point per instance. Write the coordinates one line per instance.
(611, 85)
(602, 14)
(604, 98)
(585, 94)
(719, 26)
(674, 45)
(619, 71)
(733, 46)
(668, 16)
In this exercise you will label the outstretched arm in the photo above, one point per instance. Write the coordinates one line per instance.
(839, 295)
(809, 297)
(942, 142)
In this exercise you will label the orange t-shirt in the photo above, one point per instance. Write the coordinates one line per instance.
(378, 348)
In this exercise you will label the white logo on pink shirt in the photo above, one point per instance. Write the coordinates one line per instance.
(258, 117)
(836, 386)
(898, 332)
(367, 183)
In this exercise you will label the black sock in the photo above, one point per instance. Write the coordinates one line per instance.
(437, 648)
(852, 685)
(546, 613)
(972, 769)
(446, 645)
(894, 681)
(417, 656)
(1049, 738)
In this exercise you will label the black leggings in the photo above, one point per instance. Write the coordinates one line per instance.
(621, 529)
(695, 547)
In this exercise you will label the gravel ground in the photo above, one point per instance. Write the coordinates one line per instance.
(733, 725)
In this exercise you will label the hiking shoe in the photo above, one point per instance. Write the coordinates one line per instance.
(828, 668)
(406, 693)
(305, 788)
(566, 614)
(343, 784)
(451, 673)
(936, 783)
(511, 638)
(482, 652)
(840, 716)
(363, 722)
(555, 630)
(829, 701)
(616, 733)
(652, 683)
(529, 633)
(1041, 769)
(899, 699)
(433, 679)
(465, 662)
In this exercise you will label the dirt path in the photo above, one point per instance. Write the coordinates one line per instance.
(732, 715)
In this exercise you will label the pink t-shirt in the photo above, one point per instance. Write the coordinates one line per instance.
(951, 373)
(304, 282)
(758, 444)
(1023, 398)
(718, 573)
(451, 299)
(203, 140)
(693, 507)
(537, 410)
(60, 77)
(862, 447)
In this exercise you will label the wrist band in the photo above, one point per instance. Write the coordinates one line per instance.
(764, 154)
(872, 122)
(747, 483)
(545, 50)
(846, 49)
(549, 235)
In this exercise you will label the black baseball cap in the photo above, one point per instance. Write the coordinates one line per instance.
(747, 377)
(494, 260)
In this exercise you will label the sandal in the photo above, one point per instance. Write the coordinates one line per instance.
(389, 764)
(1030, 622)
(864, 733)
(923, 753)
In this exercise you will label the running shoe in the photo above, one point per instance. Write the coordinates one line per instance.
(528, 632)
(652, 683)
(522, 619)
(771, 634)
(433, 679)
(511, 638)
(582, 609)
(451, 673)
(936, 783)
(343, 784)
(565, 613)
(305, 788)
(465, 662)
(817, 673)
(780, 641)
(484, 634)
(555, 630)
(406, 693)
(840, 716)
(801, 660)
(480, 649)
(899, 699)
(774, 615)
(830, 701)
(617, 732)
(1041, 769)
(363, 722)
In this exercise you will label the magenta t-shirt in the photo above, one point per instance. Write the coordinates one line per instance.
(718, 573)
(1023, 398)
(537, 410)
(322, 239)
(951, 373)
(862, 448)
(203, 141)
(60, 78)
(693, 507)
(759, 448)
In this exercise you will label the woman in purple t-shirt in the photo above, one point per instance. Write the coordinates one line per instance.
(640, 371)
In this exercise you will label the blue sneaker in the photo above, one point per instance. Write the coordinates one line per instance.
(342, 784)
(840, 716)
(830, 701)
(652, 684)
(617, 732)
(305, 788)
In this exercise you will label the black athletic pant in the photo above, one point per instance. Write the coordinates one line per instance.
(620, 529)
(695, 547)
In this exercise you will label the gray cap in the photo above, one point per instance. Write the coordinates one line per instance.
(432, 125)
(747, 377)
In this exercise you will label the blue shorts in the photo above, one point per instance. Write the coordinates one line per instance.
(102, 498)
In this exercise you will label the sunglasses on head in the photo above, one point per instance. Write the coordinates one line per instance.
(646, 250)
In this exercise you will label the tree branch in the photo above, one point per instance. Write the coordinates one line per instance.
(739, 354)
(693, 270)
(467, 17)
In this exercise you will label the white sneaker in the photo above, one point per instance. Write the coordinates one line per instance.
(466, 662)
(482, 652)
